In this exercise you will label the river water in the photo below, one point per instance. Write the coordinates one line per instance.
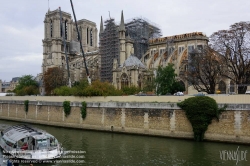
(103, 148)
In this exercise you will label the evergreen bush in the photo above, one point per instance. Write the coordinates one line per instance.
(200, 111)
(67, 107)
(84, 110)
(130, 90)
(26, 106)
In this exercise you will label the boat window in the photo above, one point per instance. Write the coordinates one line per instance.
(42, 143)
(53, 142)
(8, 142)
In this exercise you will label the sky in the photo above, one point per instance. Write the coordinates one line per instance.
(22, 27)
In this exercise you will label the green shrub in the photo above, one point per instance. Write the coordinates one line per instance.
(130, 90)
(98, 88)
(64, 91)
(84, 110)
(200, 111)
(26, 106)
(67, 107)
(82, 88)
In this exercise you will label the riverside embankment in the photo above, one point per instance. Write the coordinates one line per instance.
(147, 115)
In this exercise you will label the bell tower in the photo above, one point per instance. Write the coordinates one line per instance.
(53, 49)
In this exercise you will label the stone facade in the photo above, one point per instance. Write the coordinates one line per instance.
(119, 69)
(53, 46)
(158, 119)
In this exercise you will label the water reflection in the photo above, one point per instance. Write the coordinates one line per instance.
(119, 149)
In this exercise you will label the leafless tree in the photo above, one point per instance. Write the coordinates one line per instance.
(234, 45)
(204, 68)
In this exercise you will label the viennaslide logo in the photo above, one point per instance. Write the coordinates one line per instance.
(234, 155)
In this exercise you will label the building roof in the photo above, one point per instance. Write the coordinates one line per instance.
(15, 79)
(181, 36)
(133, 61)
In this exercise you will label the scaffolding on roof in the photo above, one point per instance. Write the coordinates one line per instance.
(141, 31)
(109, 49)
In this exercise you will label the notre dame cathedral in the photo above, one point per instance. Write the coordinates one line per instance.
(126, 55)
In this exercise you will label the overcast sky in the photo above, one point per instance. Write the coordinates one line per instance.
(21, 23)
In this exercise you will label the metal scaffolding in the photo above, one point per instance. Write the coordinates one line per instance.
(109, 49)
(141, 31)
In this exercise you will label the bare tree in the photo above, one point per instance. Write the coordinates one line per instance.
(204, 68)
(234, 45)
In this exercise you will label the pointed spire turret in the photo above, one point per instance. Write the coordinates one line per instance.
(101, 26)
(122, 26)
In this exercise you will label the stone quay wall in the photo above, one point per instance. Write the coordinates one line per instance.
(145, 118)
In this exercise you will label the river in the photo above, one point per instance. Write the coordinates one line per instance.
(103, 148)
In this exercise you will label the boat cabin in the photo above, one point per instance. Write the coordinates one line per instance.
(23, 137)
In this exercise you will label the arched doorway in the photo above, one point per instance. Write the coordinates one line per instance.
(140, 81)
(232, 89)
(124, 80)
(222, 87)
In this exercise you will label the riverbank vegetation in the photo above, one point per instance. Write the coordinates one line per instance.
(97, 88)
(27, 85)
(84, 110)
(26, 106)
(66, 108)
(200, 111)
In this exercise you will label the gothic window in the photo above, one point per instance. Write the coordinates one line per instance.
(51, 28)
(87, 35)
(190, 48)
(232, 86)
(124, 80)
(61, 29)
(67, 48)
(199, 47)
(171, 49)
(66, 30)
(140, 81)
(181, 49)
(222, 87)
(80, 33)
(91, 37)
(162, 51)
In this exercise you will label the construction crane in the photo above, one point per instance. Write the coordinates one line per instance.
(79, 37)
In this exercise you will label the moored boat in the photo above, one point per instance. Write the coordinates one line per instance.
(25, 142)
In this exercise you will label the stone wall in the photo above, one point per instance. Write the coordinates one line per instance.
(158, 119)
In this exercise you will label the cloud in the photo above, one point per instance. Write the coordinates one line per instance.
(16, 66)
(22, 24)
